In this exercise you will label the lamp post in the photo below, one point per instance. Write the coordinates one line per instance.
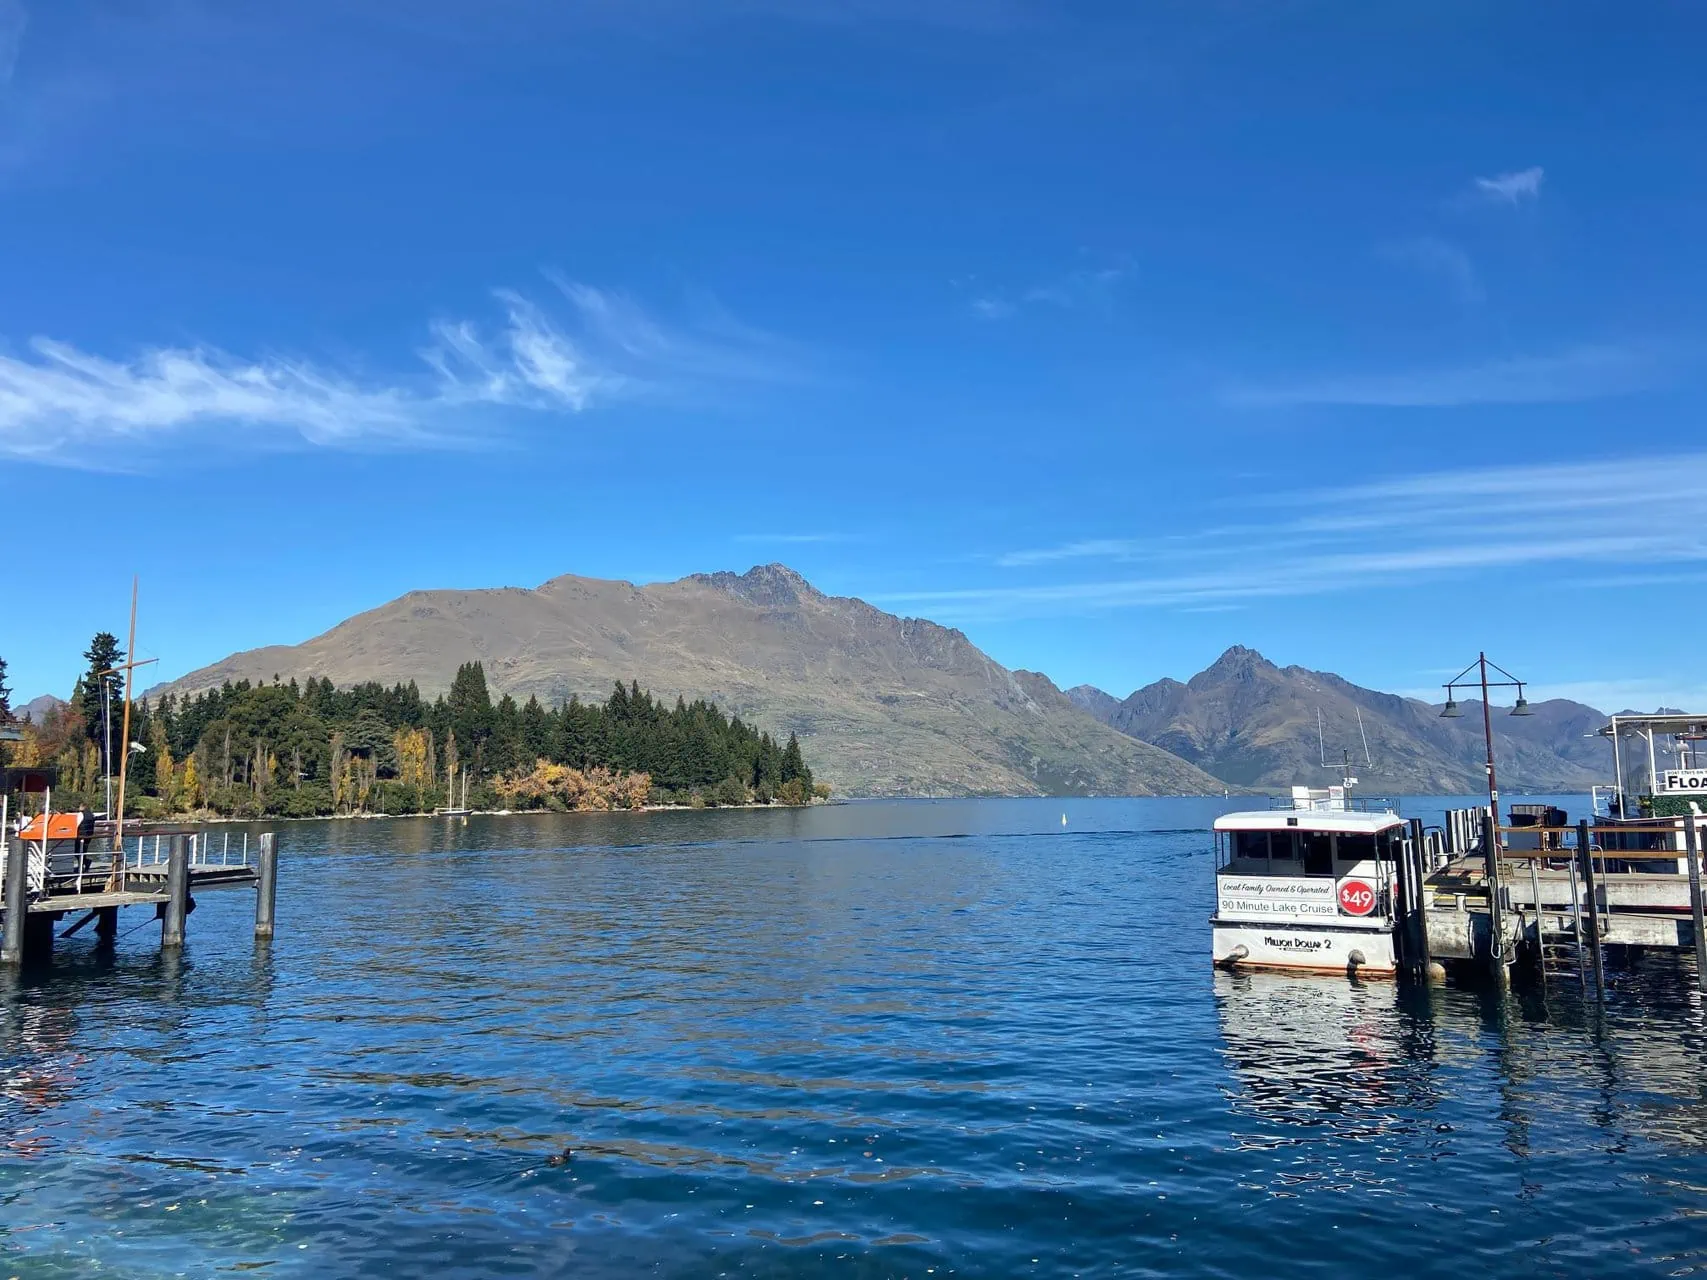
(1453, 711)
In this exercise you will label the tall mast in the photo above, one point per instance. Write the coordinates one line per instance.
(115, 878)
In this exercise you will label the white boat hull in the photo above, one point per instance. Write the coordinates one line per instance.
(1305, 946)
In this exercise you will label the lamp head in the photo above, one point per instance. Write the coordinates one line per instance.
(1522, 707)
(1451, 711)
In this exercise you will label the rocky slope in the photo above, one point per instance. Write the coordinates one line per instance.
(1255, 724)
(883, 705)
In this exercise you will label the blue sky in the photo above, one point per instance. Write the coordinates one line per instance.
(1113, 334)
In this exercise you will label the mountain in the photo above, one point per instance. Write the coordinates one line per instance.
(36, 709)
(883, 705)
(1255, 724)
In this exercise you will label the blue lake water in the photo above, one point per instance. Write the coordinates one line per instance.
(875, 1039)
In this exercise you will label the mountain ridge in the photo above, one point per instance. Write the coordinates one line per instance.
(1255, 724)
(883, 705)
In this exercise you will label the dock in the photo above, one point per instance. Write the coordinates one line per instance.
(1541, 899)
(157, 866)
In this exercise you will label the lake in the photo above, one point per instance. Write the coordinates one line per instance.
(875, 1039)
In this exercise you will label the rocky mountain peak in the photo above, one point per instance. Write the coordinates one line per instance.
(764, 584)
(1238, 663)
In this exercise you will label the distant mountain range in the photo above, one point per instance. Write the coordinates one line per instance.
(883, 705)
(902, 706)
(1254, 724)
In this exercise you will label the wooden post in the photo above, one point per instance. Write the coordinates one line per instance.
(1416, 873)
(1692, 841)
(1496, 922)
(177, 893)
(107, 924)
(1540, 926)
(17, 900)
(1585, 853)
(266, 885)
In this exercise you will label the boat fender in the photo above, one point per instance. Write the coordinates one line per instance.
(1233, 957)
(1355, 961)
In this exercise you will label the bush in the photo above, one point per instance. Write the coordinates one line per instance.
(730, 791)
(144, 808)
(311, 801)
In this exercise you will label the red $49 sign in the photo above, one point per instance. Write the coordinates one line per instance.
(1357, 898)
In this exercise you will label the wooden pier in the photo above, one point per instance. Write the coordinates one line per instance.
(158, 866)
(1541, 899)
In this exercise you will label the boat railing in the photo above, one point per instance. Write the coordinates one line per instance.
(1334, 804)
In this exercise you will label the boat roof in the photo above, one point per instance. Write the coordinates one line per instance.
(1345, 821)
(1689, 726)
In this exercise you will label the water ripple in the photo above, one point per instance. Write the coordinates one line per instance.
(869, 1040)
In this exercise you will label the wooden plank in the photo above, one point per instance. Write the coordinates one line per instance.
(91, 901)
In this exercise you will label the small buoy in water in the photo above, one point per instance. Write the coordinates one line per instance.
(1063, 819)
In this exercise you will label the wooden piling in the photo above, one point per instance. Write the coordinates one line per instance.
(1585, 854)
(107, 924)
(17, 902)
(1692, 841)
(1416, 921)
(1496, 915)
(1540, 922)
(177, 893)
(266, 885)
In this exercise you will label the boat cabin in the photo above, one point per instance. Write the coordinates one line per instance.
(1308, 886)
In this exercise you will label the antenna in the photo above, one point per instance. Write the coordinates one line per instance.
(1367, 760)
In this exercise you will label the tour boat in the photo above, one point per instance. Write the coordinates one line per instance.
(1308, 886)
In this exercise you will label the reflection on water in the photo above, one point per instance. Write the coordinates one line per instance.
(1310, 1052)
(876, 1039)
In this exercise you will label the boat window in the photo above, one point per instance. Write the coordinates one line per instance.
(1318, 853)
(1250, 844)
(1357, 848)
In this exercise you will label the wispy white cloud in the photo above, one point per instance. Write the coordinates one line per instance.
(14, 18)
(1439, 526)
(60, 404)
(1579, 373)
(1442, 260)
(1083, 287)
(63, 405)
(1090, 549)
(1511, 188)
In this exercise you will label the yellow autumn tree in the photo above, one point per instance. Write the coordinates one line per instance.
(165, 770)
(413, 748)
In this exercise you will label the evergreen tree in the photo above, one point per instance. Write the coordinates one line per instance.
(505, 751)
(316, 749)
(536, 732)
(102, 688)
(471, 715)
(794, 765)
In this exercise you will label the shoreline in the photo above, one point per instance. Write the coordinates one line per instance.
(476, 813)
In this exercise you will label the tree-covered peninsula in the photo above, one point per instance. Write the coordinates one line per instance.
(253, 750)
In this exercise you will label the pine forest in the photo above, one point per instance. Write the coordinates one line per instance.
(310, 750)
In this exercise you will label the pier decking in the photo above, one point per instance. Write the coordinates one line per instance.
(158, 866)
(1559, 896)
